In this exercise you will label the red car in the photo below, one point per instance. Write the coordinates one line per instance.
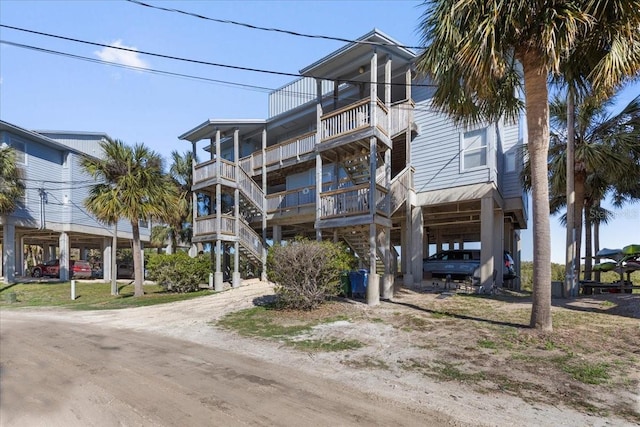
(78, 269)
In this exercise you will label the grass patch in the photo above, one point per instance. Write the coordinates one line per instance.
(588, 373)
(267, 322)
(366, 362)
(89, 296)
(487, 344)
(329, 345)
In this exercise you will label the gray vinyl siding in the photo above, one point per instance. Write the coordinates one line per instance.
(85, 143)
(57, 172)
(436, 150)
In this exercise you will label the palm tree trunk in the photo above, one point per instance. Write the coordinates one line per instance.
(137, 260)
(570, 260)
(536, 101)
(596, 245)
(588, 247)
(579, 216)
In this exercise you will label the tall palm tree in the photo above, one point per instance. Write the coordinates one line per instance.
(11, 180)
(132, 186)
(607, 159)
(478, 51)
(181, 172)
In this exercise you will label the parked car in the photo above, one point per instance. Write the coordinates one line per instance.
(125, 271)
(461, 264)
(78, 269)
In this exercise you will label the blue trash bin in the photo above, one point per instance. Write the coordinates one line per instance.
(359, 280)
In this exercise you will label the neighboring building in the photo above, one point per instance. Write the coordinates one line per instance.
(353, 151)
(52, 214)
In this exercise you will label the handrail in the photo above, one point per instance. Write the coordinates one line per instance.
(250, 240)
(250, 189)
(209, 169)
(345, 201)
(290, 148)
(353, 117)
(291, 198)
(208, 224)
(341, 110)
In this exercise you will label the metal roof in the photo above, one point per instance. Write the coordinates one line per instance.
(226, 126)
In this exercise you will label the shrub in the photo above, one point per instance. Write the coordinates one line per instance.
(306, 273)
(179, 272)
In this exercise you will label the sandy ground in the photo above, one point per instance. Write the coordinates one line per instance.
(192, 321)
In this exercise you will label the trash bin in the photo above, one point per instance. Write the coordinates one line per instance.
(359, 280)
(345, 284)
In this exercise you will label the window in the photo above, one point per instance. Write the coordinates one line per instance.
(474, 149)
(510, 161)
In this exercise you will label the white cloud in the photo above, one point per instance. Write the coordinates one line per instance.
(123, 57)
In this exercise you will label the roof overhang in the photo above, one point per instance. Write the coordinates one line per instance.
(27, 134)
(226, 127)
(358, 54)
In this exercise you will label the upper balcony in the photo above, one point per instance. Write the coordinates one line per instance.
(353, 123)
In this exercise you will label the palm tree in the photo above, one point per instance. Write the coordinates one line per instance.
(159, 235)
(606, 157)
(132, 186)
(11, 180)
(181, 172)
(477, 53)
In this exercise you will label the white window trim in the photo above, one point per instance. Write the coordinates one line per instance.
(463, 151)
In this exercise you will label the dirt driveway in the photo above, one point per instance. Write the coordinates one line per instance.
(380, 395)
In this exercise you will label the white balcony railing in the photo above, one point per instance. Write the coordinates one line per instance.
(345, 201)
(290, 149)
(353, 117)
(291, 199)
(206, 225)
(214, 169)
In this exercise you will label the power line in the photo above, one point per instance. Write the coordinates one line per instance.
(194, 61)
(276, 30)
(157, 55)
(135, 68)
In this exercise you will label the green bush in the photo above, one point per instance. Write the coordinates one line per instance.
(179, 272)
(306, 273)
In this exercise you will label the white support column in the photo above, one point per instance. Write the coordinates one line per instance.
(498, 245)
(417, 233)
(63, 244)
(318, 157)
(263, 276)
(406, 248)
(106, 259)
(218, 275)
(373, 288)
(388, 279)
(113, 265)
(194, 196)
(20, 264)
(487, 251)
(9, 252)
(277, 234)
(235, 278)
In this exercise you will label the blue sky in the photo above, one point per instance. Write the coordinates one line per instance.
(40, 91)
